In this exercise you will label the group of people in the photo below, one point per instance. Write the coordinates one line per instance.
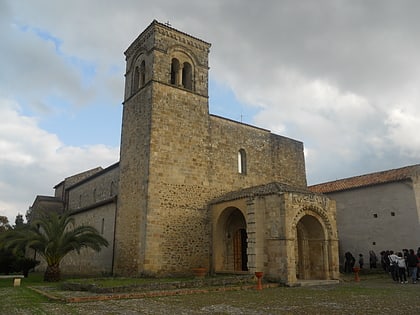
(400, 265)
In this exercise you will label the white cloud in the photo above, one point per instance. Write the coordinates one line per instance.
(32, 160)
(403, 124)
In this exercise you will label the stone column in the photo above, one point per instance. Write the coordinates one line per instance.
(326, 253)
(251, 235)
(179, 75)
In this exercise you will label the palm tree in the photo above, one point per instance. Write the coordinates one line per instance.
(54, 236)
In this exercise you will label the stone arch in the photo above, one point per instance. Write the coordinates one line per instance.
(139, 74)
(318, 213)
(312, 247)
(230, 241)
(183, 67)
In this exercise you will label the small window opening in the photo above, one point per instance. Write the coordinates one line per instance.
(175, 71)
(375, 215)
(392, 214)
(94, 195)
(242, 161)
(136, 80)
(142, 73)
(102, 226)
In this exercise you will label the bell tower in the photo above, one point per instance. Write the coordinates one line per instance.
(164, 152)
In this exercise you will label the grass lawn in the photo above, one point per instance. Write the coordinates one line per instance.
(374, 294)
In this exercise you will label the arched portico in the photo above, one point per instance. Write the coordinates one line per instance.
(290, 236)
(310, 250)
(314, 245)
(230, 241)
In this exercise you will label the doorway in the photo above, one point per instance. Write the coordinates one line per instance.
(231, 241)
(310, 249)
(240, 256)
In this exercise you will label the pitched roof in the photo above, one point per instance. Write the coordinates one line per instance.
(93, 174)
(47, 203)
(71, 180)
(377, 178)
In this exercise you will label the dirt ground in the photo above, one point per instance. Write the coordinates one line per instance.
(372, 295)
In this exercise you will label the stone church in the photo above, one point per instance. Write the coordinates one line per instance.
(194, 189)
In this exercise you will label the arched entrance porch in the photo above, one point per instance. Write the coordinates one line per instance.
(230, 242)
(310, 249)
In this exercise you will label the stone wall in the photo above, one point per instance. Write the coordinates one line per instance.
(93, 202)
(95, 189)
(134, 179)
(90, 262)
(178, 236)
(269, 157)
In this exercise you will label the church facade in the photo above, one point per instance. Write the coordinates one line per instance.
(194, 189)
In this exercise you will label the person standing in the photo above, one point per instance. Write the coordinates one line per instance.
(361, 261)
(349, 262)
(372, 259)
(393, 265)
(412, 262)
(401, 268)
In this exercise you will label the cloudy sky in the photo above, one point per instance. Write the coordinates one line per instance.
(341, 76)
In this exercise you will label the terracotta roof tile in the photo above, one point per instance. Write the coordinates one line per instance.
(368, 179)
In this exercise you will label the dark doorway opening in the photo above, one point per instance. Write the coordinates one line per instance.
(239, 249)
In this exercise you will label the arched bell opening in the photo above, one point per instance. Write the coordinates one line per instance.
(187, 79)
(175, 67)
(230, 247)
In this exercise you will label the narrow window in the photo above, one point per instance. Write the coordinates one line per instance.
(80, 201)
(242, 161)
(102, 226)
(142, 73)
(112, 189)
(175, 71)
(136, 79)
(94, 195)
(187, 76)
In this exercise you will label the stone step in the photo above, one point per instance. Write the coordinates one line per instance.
(310, 283)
